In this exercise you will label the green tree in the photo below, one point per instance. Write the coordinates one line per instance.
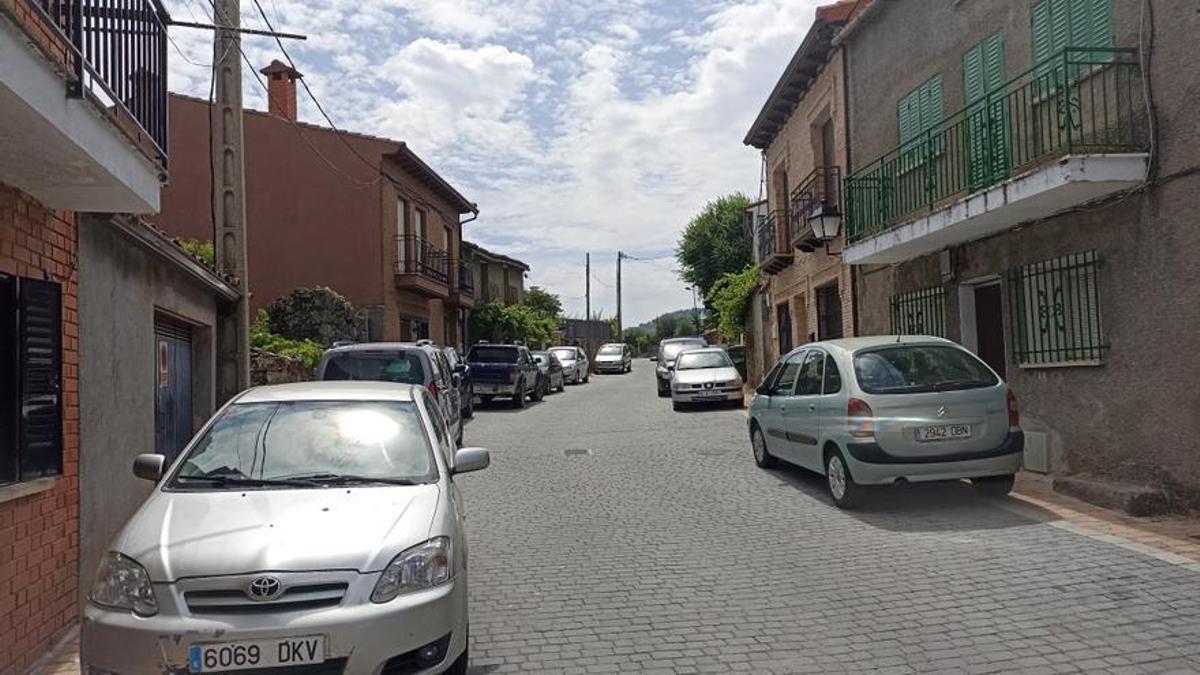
(497, 322)
(714, 243)
(541, 300)
(730, 298)
(307, 352)
(318, 314)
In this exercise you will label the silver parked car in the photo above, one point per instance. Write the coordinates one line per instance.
(574, 362)
(307, 527)
(552, 371)
(888, 409)
(668, 351)
(615, 357)
(705, 376)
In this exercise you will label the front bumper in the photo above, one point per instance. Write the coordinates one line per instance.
(869, 463)
(609, 367)
(714, 395)
(359, 633)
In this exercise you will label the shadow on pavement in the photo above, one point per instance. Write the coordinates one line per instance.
(922, 507)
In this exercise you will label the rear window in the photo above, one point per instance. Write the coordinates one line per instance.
(565, 354)
(398, 366)
(493, 355)
(909, 369)
(672, 349)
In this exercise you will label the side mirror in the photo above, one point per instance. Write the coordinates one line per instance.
(149, 466)
(471, 459)
(653, 358)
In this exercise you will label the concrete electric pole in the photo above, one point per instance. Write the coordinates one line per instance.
(620, 332)
(229, 200)
(587, 287)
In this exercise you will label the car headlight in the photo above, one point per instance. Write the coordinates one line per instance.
(121, 583)
(422, 566)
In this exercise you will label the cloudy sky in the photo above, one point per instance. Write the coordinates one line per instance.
(598, 126)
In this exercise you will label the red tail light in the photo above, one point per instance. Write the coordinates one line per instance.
(860, 419)
(1014, 414)
(433, 390)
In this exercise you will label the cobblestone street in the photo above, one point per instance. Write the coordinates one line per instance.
(612, 535)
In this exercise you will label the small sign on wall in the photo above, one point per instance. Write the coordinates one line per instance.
(164, 372)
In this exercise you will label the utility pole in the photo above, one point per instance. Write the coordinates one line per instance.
(620, 332)
(229, 200)
(587, 292)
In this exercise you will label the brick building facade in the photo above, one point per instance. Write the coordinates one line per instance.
(39, 516)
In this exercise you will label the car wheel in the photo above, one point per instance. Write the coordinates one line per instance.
(562, 384)
(676, 406)
(663, 392)
(994, 486)
(762, 457)
(539, 390)
(518, 399)
(458, 440)
(469, 411)
(845, 492)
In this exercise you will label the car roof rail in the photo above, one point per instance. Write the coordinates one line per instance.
(342, 343)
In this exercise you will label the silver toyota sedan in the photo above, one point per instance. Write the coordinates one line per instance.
(888, 409)
(704, 376)
(307, 526)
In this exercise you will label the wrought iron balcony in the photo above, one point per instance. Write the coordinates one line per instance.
(820, 193)
(115, 53)
(422, 266)
(466, 278)
(1079, 102)
(774, 250)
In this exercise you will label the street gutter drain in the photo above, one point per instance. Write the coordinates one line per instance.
(574, 452)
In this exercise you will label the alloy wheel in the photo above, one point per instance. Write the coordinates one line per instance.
(835, 473)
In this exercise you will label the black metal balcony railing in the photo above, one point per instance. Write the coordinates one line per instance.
(466, 278)
(116, 53)
(770, 230)
(419, 256)
(1079, 100)
(820, 192)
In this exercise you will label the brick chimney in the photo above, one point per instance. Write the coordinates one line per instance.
(281, 89)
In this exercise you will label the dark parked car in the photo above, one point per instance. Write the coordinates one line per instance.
(403, 363)
(553, 378)
(466, 387)
(668, 351)
(505, 370)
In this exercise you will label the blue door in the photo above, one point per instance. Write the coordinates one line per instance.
(173, 387)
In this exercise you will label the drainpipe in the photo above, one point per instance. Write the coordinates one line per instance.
(846, 132)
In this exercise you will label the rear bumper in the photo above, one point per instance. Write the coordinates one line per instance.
(869, 463)
(494, 389)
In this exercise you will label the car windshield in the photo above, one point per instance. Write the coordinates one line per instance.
(610, 349)
(697, 360)
(906, 369)
(564, 354)
(671, 349)
(310, 443)
(493, 355)
(395, 366)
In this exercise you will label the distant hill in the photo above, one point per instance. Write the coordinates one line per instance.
(675, 317)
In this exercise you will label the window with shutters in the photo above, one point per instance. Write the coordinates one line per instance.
(1059, 24)
(921, 312)
(919, 112)
(31, 358)
(987, 123)
(1054, 307)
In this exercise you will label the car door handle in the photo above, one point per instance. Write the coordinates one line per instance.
(783, 408)
(812, 407)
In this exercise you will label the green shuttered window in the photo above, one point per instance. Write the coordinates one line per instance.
(1054, 310)
(920, 110)
(1058, 24)
(920, 312)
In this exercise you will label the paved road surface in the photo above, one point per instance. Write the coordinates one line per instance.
(614, 535)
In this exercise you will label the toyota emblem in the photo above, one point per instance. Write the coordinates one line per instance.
(265, 588)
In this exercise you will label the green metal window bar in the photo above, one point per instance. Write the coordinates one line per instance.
(921, 312)
(1054, 308)
(1081, 100)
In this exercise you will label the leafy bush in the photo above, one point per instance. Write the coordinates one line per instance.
(730, 298)
(199, 249)
(498, 322)
(307, 352)
(320, 314)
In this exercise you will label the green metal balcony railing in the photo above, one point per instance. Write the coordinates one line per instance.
(1078, 101)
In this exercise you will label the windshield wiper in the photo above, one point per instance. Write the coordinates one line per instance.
(247, 481)
(957, 384)
(351, 479)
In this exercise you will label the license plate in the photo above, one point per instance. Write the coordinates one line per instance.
(268, 653)
(943, 432)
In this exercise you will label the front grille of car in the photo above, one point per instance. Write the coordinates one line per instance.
(235, 600)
